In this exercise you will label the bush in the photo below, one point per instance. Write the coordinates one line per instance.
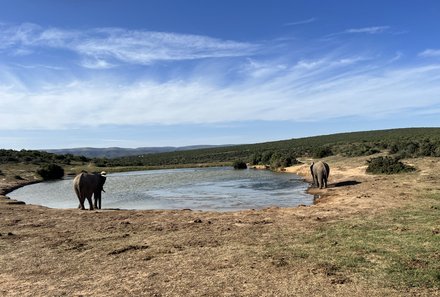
(51, 171)
(357, 150)
(322, 152)
(240, 165)
(387, 165)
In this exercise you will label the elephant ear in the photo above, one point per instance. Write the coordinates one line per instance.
(102, 178)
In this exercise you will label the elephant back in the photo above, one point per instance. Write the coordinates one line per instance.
(321, 167)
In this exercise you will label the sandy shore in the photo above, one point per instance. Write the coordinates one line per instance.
(53, 252)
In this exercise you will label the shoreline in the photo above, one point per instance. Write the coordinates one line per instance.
(331, 248)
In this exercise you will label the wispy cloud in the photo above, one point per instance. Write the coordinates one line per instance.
(430, 53)
(96, 64)
(309, 90)
(396, 57)
(290, 84)
(302, 22)
(368, 30)
(97, 46)
(365, 30)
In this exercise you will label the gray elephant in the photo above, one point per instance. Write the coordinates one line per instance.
(320, 172)
(87, 185)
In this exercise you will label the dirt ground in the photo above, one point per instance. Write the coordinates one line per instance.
(68, 252)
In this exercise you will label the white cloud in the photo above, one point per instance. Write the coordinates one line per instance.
(369, 30)
(302, 22)
(96, 64)
(129, 46)
(396, 57)
(430, 53)
(289, 87)
(322, 90)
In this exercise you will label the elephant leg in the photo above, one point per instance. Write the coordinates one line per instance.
(81, 203)
(89, 198)
(97, 201)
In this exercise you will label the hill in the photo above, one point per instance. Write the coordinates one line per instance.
(407, 142)
(115, 152)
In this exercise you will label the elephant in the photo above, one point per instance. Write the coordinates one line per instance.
(88, 184)
(320, 172)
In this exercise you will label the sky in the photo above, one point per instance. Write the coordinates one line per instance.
(121, 73)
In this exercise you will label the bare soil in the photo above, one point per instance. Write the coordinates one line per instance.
(69, 252)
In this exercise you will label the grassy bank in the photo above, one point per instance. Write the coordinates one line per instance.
(400, 248)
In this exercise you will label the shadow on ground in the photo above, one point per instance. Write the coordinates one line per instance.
(346, 183)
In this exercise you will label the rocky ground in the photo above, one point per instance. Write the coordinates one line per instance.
(327, 249)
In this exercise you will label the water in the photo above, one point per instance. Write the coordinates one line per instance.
(220, 189)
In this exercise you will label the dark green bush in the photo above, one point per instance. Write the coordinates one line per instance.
(255, 159)
(266, 157)
(387, 165)
(240, 165)
(51, 171)
(322, 152)
(356, 150)
(279, 160)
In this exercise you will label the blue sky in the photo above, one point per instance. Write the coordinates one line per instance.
(158, 73)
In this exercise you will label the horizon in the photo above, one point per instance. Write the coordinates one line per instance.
(237, 144)
(77, 74)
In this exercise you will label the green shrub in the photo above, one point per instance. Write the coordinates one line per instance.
(266, 156)
(240, 165)
(255, 159)
(51, 171)
(357, 150)
(322, 152)
(387, 165)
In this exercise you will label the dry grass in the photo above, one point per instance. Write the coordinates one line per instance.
(367, 236)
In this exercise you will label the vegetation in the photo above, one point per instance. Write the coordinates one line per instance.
(412, 142)
(51, 171)
(37, 157)
(400, 143)
(387, 165)
(399, 248)
(240, 165)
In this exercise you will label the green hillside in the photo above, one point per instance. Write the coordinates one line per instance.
(408, 142)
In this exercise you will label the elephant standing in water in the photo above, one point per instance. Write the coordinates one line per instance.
(88, 184)
(320, 172)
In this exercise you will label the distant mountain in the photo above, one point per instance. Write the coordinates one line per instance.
(115, 152)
